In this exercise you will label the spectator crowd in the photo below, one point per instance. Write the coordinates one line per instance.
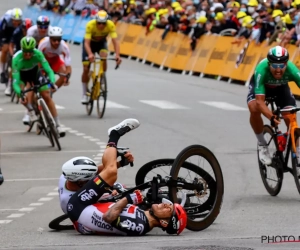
(271, 20)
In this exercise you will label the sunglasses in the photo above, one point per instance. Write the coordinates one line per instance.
(101, 23)
(43, 27)
(27, 51)
(55, 39)
(278, 65)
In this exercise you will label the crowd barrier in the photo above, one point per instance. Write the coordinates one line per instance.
(214, 55)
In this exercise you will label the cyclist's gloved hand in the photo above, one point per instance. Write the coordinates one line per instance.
(126, 159)
(135, 198)
(274, 122)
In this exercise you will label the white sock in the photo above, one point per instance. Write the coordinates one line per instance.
(84, 88)
(261, 139)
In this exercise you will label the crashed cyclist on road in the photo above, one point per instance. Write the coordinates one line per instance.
(271, 79)
(122, 217)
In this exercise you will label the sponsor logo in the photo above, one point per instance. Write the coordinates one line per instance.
(83, 229)
(174, 223)
(97, 181)
(88, 195)
(99, 222)
(70, 207)
(132, 226)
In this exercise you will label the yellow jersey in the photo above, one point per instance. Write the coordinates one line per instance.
(96, 35)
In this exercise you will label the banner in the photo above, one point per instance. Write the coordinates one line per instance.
(214, 55)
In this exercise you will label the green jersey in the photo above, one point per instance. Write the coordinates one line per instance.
(20, 64)
(264, 78)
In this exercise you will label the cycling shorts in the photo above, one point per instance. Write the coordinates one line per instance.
(96, 47)
(283, 95)
(55, 63)
(33, 76)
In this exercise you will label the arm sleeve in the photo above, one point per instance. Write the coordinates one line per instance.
(46, 67)
(113, 32)
(88, 31)
(14, 37)
(66, 52)
(3, 25)
(259, 86)
(16, 76)
(294, 72)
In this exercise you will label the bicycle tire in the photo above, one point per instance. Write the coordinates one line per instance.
(13, 95)
(217, 204)
(53, 132)
(295, 162)
(103, 93)
(90, 105)
(55, 224)
(263, 170)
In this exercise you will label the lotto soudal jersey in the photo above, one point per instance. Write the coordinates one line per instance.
(132, 221)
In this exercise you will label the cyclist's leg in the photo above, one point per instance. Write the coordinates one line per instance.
(9, 88)
(4, 52)
(103, 53)
(257, 125)
(285, 99)
(57, 65)
(45, 93)
(85, 74)
(95, 188)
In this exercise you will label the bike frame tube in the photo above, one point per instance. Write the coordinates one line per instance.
(39, 101)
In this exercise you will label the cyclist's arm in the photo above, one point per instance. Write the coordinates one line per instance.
(16, 75)
(294, 73)
(113, 212)
(87, 39)
(259, 90)
(67, 56)
(113, 34)
(46, 66)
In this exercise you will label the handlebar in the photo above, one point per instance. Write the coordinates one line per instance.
(108, 59)
(278, 112)
(65, 75)
(121, 152)
(35, 88)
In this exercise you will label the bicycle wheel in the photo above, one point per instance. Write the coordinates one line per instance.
(273, 172)
(55, 224)
(90, 94)
(51, 129)
(13, 95)
(101, 101)
(215, 187)
(295, 163)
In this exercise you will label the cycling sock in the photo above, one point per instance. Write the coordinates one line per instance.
(113, 139)
(29, 106)
(261, 139)
(84, 88)
(56, 121)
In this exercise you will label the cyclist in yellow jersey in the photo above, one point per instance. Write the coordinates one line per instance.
(95, 42)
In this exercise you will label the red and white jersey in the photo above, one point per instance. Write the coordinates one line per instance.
(49, 52)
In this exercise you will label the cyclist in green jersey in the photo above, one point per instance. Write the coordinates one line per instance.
(270, 79)
(25, 67)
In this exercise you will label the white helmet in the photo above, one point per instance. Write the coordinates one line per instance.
(55, 32)
(101, 16)
(79, 169)
(16, 14)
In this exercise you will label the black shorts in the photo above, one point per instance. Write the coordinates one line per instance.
(6, 36)
(88, 195)
(283, 95)
(96, 47)
(34, 76)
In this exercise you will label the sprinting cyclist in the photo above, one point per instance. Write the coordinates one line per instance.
(40, 30)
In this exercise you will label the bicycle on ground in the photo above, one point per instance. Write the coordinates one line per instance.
(285, 145)
(98, 91)
(177, 187)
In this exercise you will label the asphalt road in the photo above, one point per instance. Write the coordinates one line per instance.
(175, 111)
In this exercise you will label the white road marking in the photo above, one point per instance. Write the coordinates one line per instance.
(12, 112)
(87, 137)
(59, 107)
(5, 221)
(26, 209)
(55, 189)
(10, 209)
(101, 143)
(104, 146)
(36, 204)
(52, 194)
(15, 216)
(73, 131)
(13, 132)
(98, 158)
(163, 104)
(48, 152)
(110, 104)
(1, 109)
(36, 179)
(94, 139)
(46, 199)
(224, 105)
(80, 134)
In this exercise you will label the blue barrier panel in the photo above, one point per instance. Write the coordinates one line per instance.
(32, 13)
(80, 31)
(69, 23)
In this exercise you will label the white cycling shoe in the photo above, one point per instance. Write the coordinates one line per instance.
(264, 155)
(85, 99)
(125, 126)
